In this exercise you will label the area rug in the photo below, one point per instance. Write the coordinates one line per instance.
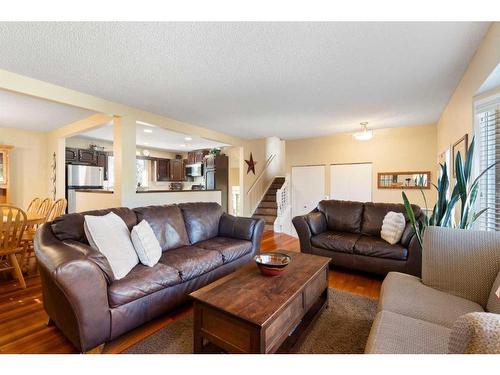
(342, 328)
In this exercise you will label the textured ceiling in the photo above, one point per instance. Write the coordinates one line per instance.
(255, 79)
(25, 112)
(154, 137)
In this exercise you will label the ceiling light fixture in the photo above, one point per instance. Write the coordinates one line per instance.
(183, 145)
(148, 130)
(188, 139)
(364, 134)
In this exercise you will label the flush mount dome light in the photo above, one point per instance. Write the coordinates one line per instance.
(188, 139)
(364, 134)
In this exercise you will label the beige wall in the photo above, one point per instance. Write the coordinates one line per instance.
(29, 161)
(457, 117)
(390, 150)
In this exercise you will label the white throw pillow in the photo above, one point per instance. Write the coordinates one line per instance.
(146, 244)
(393, 227)
(109, 234)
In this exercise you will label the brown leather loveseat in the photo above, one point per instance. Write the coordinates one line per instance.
(349, 233)
(200, 244)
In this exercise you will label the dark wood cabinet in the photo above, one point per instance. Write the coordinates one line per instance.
(102, 161)
(196, 156)
(163, 170)
(81, 156)
(177, 170)
(71, 154)
(217, 176)
(87, 156)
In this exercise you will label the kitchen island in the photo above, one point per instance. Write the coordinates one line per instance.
(90, 199)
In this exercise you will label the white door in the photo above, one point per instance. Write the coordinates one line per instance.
(351, 182)
(308, 188)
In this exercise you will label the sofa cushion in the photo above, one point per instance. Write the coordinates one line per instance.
(109, 234)
(192, 261)
(374, 213)
(146, 244)
(405, 294)
(236, 227)
(377, 247)
(475, 333)
(342, 216)
(393, 333)
(70, 227)
(140, 282)
(392, 227)
(316, 222)
(201, 219)
(336, 241)
(230, 248)
(167, 224)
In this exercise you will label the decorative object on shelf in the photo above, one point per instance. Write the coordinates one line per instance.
(364, 134)
(53, 177)
(404, 180)
(272, 264)
(465, 190)
(215, 151)
(96, 147)
(251, 164)
(460, 146)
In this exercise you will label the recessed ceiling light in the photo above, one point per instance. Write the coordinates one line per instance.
(148, 130)
(146, 143)
(183, 145)
(188, 138)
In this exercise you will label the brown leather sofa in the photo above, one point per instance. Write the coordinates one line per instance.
(349, 233)
(200, 244)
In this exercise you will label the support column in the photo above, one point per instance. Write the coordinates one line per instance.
(124, 146)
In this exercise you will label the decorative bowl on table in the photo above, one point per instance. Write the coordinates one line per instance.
(272, 264)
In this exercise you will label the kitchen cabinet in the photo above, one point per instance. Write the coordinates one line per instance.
(217, 176)
(4, 174)
(71, 154)
(87, 156)
(177, 170)
(163, 170)
(197, 156)
(102, 161)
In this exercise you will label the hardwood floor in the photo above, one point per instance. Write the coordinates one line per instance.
(23, 320)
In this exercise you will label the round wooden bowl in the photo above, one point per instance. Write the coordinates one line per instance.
(272, 264)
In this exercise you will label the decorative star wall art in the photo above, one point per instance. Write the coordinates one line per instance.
(251, 164)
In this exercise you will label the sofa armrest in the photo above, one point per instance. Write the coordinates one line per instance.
(75, 290)
(461, 262)
(414, 260)
(301, 224)
(243, 228)
(475, 333)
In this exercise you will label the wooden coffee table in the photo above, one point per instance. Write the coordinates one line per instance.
(246, 312)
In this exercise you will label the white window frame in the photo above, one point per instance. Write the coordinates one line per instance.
(480, 105)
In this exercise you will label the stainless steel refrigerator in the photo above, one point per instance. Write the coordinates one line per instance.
(82, 177)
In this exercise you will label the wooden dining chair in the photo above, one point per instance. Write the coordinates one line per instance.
(12, 225)
(34, 205)
(44, 207)
(58, 208)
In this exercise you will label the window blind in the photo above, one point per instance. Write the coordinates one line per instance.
(489, 145)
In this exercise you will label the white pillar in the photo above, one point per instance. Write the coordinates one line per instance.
(124, 159)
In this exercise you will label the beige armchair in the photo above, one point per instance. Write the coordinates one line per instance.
(452, 308)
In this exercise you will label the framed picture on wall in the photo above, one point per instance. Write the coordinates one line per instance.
(461, 146)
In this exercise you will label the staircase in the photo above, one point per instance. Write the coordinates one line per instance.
(268, 208)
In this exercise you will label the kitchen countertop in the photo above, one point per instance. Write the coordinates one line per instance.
(173, 191)
(100, 191)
